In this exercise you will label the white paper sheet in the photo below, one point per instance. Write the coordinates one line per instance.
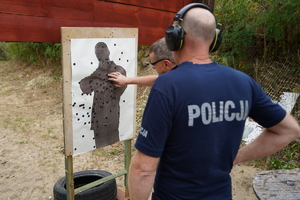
(85, 62)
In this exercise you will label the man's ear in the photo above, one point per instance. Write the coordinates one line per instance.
(167, 64)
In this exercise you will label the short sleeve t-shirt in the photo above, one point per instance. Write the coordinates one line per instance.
(194, 121)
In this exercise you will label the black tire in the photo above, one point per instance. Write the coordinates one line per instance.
(105, 191)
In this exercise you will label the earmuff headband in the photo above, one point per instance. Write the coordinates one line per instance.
(174, 34)
(180, 14)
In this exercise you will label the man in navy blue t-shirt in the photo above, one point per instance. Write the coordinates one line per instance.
(194, 120)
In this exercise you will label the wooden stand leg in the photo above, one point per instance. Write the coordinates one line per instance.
(69, 177)
(127, 164)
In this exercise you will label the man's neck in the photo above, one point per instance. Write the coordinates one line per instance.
(196, 56)
(196, 59)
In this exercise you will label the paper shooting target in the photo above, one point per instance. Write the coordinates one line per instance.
(102, 114)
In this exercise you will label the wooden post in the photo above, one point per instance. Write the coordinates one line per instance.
(127, 164)
(69, 177)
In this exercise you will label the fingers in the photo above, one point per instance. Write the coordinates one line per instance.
(117, 85)
(114, 74)
(114, 82)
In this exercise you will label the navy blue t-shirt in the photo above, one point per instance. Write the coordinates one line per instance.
(194, 121)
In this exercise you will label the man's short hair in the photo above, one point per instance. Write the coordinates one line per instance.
(198, 28)
(161, 51)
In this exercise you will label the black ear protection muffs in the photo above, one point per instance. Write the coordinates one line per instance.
(174, 34)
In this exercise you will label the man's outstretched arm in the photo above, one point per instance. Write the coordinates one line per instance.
(270, 140)
(141, 176)
(121, 81)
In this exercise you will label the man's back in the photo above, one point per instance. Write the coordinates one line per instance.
(199, 121)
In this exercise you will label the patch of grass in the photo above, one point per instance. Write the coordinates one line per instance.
(24, 141)
(286, 158)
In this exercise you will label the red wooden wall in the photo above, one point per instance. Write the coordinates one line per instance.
(41, 20)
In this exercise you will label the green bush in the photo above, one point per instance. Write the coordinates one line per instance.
(35, 53)
(257, 29)
(3, 55)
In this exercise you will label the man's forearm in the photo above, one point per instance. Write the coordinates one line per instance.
(258, 148)
(140, 184)
(270, 140)
(142, 80)
(141, 176)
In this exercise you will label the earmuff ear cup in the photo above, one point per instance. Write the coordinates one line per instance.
(174, 37)
(216, 43)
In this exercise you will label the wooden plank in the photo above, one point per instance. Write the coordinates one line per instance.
(80, 10)
(100, 181)
(170, 6)
(40, 21)
(131, 16)
(69, 9)
(72, 4)
(19, 7)
(67, 96)
(69, 13)
(44, 29)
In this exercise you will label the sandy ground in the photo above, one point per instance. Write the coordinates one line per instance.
(31, 139)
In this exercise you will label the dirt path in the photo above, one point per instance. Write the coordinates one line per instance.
(31, 139)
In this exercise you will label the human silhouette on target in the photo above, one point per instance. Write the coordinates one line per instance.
(106, 109)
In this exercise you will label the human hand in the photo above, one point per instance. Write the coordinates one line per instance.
(118, 79)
